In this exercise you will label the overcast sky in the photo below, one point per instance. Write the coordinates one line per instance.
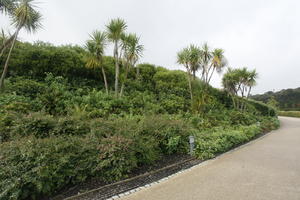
(260, 34)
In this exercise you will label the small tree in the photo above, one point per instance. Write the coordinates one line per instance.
(115, 30)
(132, 51)
(183, 58)
(95, 47)
(239, 82)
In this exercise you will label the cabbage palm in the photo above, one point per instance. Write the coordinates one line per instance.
(206, 56)
(132, 51)
(218, 62)
(251, 81)
(183, 58)
(194, 59)
(96, 46)
(24, 16)
(115, 29)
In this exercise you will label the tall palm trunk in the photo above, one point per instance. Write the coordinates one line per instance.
(249, 92)
(105, 80)
(190, 84)
(117, 69)
(214, 68)
(123, 84)
(7, 59)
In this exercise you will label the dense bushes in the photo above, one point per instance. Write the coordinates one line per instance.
(59, 128)
(33, 167)
(263, 109)
(40, 164)
(211, 143)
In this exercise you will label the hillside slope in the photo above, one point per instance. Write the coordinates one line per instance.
(288, 99)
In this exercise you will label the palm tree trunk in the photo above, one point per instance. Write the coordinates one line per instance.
(190, 84)
(105, 81)
(249, 92)
(117, 69)
(7, 60)
(123, 84)
(211, 74)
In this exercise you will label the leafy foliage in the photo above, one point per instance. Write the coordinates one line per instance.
(59, 127)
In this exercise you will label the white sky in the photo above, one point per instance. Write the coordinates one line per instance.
(261, 34)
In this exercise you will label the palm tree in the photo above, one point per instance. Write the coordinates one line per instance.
(252, 76)
(95, 47)
(24, 16)
(218, 62)
(132, 51)
(183, 58)
(194, 59)
(115, 29)
(205, 60)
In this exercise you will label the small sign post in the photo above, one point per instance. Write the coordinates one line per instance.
(192, 144)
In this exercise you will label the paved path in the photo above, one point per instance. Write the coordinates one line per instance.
(267, 169)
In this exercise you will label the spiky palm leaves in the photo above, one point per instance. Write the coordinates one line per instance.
(115, 30)
(23, 16)
(206, 61)
(239, 81)
(132, 50)
(189, 58)
(95, 47)
(7, 6)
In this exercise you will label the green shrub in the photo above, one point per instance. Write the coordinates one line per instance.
(211, 143)
(16, 103)
(117, 157)
(172, 134)
(25, 87)
(241, 118)
(263, 109)
(268, 124)
(33, 167)
(41, 125)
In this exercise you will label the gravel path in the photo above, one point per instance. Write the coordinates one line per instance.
(267, 169)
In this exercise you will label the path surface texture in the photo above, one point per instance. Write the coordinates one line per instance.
(266, 169)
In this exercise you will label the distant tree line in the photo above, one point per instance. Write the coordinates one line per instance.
(288, 99)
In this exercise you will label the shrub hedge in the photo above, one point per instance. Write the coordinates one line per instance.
(33, 166)
(216, 141)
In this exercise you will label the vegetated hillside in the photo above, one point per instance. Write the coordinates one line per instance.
(288, 99)
(58, 127)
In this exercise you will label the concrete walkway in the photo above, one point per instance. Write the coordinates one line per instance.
(267, 169)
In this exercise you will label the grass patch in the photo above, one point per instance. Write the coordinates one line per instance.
(289, 113)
